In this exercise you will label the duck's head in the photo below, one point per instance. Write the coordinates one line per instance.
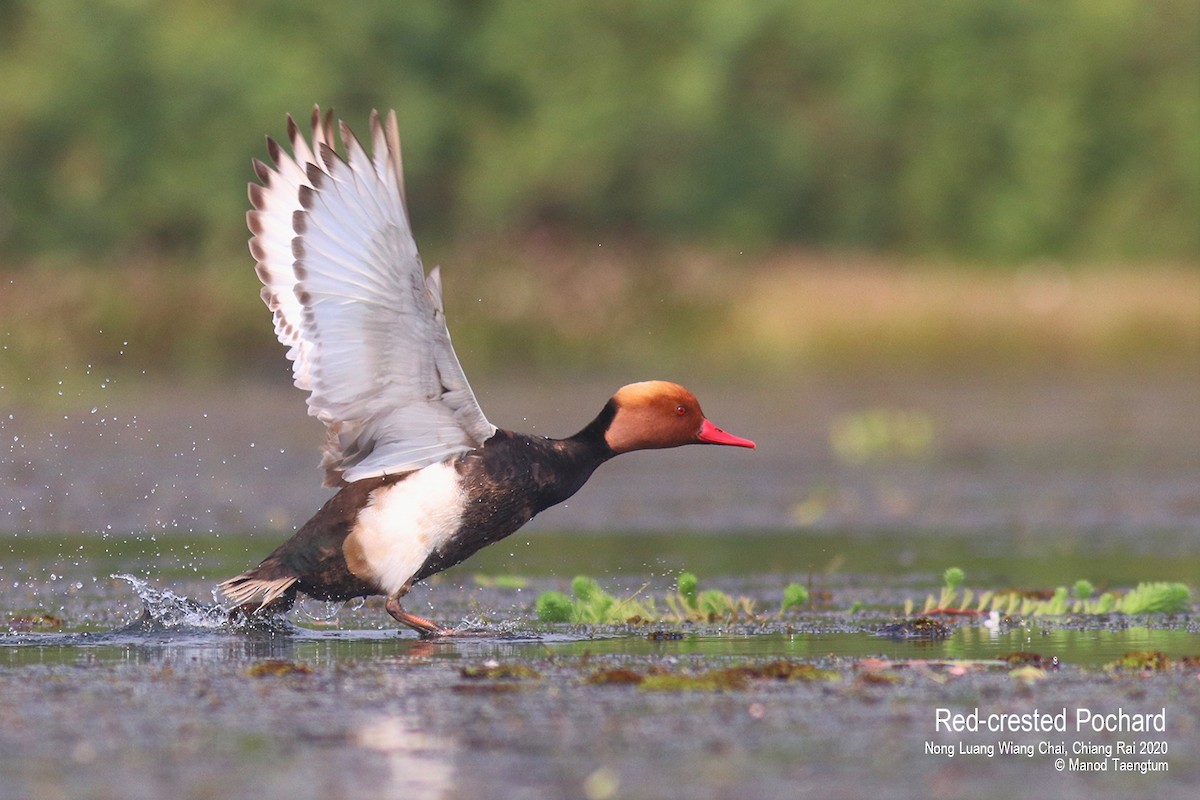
(657, 414)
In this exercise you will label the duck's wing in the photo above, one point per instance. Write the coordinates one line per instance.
(363, 323)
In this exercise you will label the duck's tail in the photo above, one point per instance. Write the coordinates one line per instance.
(253, 591)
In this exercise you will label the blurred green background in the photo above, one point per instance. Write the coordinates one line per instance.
(780, 183)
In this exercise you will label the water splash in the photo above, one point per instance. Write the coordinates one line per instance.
(163, 610)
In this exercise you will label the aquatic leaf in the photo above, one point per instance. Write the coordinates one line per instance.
(794, 594)
(715, 603)
(1155, 598)
(586, 589)
(554, 606)
(686, 586)
(953, 577)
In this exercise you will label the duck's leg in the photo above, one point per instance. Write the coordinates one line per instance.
(426, 628)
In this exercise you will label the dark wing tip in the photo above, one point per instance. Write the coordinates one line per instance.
(261, 171)
(258, 196)
(307, 194)
(315, 175)
(257, 250)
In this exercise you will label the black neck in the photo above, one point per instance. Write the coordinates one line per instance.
(591, 438)
(574, 459)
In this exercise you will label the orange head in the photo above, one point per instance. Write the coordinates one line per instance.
(656, 414)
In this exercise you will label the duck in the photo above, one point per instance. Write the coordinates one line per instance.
(423, 479)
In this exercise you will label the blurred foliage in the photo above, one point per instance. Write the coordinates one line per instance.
(998, 130)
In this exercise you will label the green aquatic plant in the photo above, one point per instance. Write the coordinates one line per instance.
(1155, 598)
(552, 606)
(716, 680)
(952, 578)
(590, 604)
(1143, 660)
(794, 594)
(1146, 598)
(919, 628)
(686, 586)
(689, 604)
(492, 670)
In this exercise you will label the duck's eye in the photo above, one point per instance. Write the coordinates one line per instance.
(680, 411)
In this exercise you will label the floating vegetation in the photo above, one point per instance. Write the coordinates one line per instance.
(615, 676)
(794, 594)
(919, 628)
(1155, 598)
(1151, 661)
(494, 670)
(1028, 674)
(588, 603)
(714, 680)
(273, 668)
(1022, 658)
(688, 604)
(1147, 598)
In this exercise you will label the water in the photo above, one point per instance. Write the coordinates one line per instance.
(140, 687)
(150, 691)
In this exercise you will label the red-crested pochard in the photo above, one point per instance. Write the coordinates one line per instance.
(425, 479)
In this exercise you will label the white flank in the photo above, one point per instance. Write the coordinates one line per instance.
(407, 521)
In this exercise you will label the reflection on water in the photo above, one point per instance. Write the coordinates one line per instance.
(419, 763)
(1084, 648)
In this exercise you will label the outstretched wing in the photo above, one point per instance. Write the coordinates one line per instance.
(363, 323)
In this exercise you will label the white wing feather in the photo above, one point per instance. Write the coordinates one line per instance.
(363, 323)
